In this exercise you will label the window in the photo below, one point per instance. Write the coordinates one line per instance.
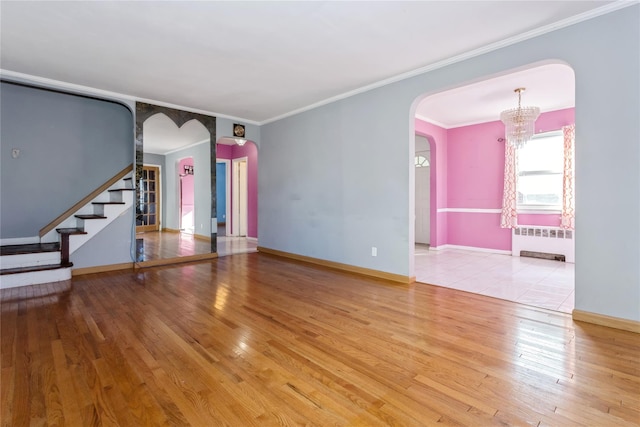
(540, 171)
(421, 161)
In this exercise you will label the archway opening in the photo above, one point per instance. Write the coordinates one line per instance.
(165, 137)
(237, 167)
(473, 252)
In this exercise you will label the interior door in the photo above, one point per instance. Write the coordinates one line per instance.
(148, 219)
(423, 197)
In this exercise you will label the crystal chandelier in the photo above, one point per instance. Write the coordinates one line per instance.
(519, 122)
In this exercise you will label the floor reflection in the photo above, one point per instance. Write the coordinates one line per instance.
(153, 246)
(236, 245)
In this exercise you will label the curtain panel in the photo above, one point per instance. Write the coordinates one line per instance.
(509, 215)
(568, 178)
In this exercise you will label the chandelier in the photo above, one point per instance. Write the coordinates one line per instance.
(519, 122)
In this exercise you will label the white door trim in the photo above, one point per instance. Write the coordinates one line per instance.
(227, 180)
(239, 219)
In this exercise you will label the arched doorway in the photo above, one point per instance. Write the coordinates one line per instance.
(473, 253)
(203, 242)
(240, 165)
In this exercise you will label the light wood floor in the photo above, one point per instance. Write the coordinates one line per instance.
(257, 340)
(168, 245)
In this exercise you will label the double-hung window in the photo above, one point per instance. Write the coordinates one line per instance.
(540, 172)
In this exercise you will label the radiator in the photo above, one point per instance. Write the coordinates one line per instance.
(545, 240)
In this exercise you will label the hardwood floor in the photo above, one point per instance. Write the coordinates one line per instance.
(168, 245)
(257, 340)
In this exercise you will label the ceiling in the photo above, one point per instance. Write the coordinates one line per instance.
(258, 61)
(549, 87)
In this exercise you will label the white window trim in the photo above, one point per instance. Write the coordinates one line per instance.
(541, 209)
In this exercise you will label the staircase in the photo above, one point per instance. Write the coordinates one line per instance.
(46, 259)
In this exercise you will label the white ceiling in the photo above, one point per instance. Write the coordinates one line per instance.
(549, 87)
(258, 61)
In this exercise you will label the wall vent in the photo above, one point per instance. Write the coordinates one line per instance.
(543, 255)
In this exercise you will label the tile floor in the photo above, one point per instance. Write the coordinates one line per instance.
(530, 281)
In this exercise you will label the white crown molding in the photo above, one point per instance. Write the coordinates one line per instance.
(476, 122)
(603, 10)
(88, 90)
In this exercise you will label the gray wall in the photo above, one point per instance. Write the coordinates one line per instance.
(202, 188)
(336, 180)
(69, 144)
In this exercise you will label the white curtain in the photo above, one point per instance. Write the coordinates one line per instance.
(509, 216)
(568, 190)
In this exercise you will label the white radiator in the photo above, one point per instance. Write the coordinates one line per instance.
(549, 240)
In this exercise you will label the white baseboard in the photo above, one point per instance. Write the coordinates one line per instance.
(20, 241)
(470, 248)
(252, 239)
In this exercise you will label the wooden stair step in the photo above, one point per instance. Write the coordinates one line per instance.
(70, 231)
(90, 216)
(17, 270)
(31, 248)
(108, 203)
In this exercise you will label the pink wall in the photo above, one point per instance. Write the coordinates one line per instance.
(469, 166)
(478, 230)
(475, 166)
(250, 151)
(437, 138)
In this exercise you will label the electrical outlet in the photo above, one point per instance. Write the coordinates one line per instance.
(374, 251)
(15, 153)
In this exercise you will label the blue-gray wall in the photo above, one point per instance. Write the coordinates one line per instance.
(112, 245)
(337, 180)
(70, 145)
(201, 183)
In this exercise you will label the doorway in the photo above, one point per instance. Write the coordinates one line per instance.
(422, 191)
(223, 194)
(239, 197)
(163, 136)
(149, 199)
(186, 195)
(468, 249)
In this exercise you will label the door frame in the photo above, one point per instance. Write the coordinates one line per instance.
(239, 192)
(158, 199)
(428, 189)
(227, 178)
